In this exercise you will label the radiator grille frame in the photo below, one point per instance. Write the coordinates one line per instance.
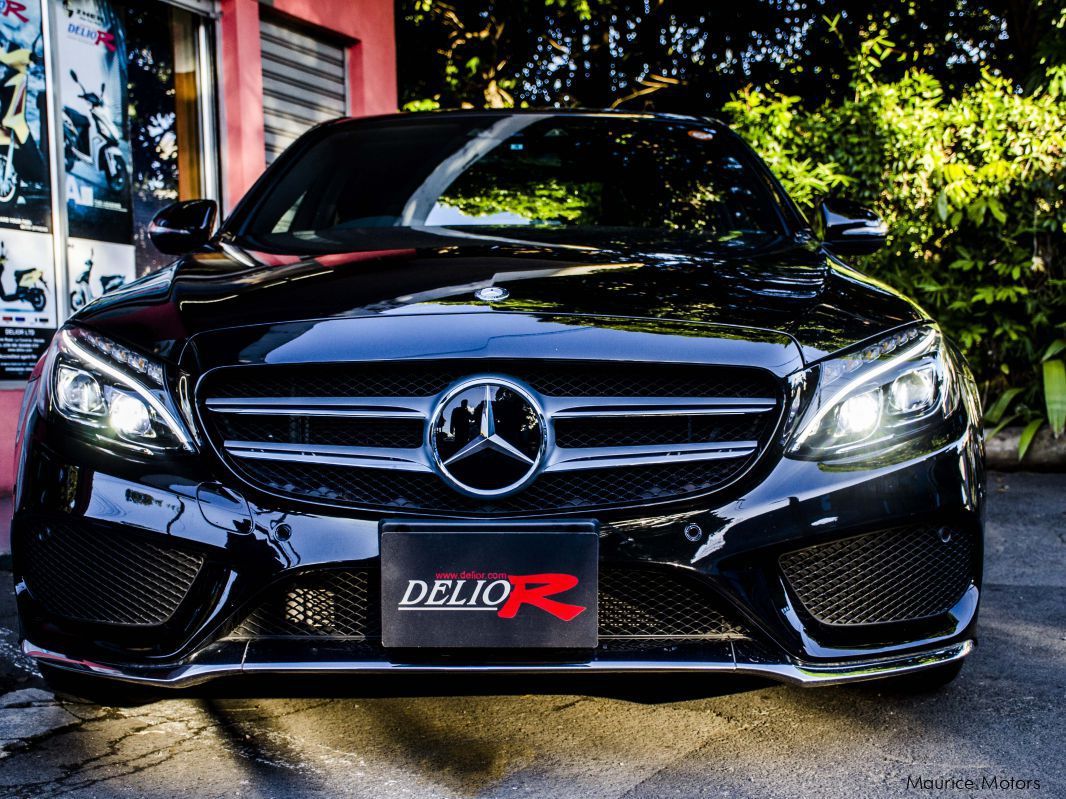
(677, 446)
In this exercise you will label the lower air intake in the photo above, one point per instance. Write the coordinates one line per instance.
(103, 577)
(901, 574)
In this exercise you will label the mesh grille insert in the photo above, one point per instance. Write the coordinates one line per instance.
(635, 603)
(901, 574)
(661, 430)
(562, 379)
(103, 577)
(321, 430)
(414, 491)
(340, 604)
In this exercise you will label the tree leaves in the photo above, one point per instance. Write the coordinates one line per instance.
(1028, 434)
(973, 189)
(1055, 395)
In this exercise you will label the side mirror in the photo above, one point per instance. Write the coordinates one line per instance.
(74, 75)
(183, 226)
(847, 228)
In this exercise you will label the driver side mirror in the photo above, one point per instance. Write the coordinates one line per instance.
(184, 226)
(847, 228)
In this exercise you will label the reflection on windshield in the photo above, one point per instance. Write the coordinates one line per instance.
(532, 171)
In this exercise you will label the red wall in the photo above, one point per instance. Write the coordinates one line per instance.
(366, 24)
(10, 401)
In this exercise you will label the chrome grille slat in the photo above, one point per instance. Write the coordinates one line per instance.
(572, 459)
(729, 427)
(587, 407)
(403, 459)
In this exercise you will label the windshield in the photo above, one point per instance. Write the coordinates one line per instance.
(528, 176)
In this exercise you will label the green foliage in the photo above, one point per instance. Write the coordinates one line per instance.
(542, 201)
(973, 188)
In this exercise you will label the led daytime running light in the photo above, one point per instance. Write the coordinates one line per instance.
(98, 363)
(870, 378)
(120, 355)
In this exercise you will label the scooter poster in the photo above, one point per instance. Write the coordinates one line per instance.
(25, 189)
(28, 315)
(96, 143)
(95, 268)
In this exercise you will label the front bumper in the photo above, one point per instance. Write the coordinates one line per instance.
(255, 543)
(220, 661)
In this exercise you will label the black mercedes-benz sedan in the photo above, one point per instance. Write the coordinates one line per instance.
(555, 392)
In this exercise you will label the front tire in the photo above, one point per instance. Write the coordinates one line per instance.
(117, 180)
(8, 188)
(38, 299)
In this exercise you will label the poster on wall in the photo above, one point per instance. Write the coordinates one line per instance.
(28, 314)
(96, 145)
(25, 189)
(97, 267)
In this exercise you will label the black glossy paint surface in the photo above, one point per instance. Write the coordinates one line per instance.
(409, 294)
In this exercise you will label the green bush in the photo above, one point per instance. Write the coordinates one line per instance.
(973, 189)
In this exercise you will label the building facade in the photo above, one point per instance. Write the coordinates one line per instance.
(112, 109)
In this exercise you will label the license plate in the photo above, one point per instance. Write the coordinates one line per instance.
(458, 585)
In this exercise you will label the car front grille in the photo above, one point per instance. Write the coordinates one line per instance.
(355, 434)
(901, 574)
(633, 604)
(99, 576)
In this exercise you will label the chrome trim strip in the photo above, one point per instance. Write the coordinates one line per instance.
(402, 459)
(594, 407)
(563, 459)
(571, 459)
(803, 674)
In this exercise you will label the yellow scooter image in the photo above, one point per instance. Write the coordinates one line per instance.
(18, 150)
(29, 285)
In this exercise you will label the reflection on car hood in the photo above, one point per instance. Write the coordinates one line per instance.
(789, 287)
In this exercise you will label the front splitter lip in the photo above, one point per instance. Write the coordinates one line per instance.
(803, 674)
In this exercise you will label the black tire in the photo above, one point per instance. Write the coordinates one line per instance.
(10, 192)
(73, 686)
(926, 681)
(38, 299)
(118, 180)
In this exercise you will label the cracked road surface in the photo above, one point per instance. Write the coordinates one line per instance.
(1001, 719)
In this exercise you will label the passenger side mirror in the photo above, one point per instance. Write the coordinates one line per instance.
(74, 75)
(847, 228)
(184, 226)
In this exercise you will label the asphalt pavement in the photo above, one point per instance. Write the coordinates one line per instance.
(1000, 726)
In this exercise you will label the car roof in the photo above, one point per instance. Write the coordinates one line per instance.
(469, 113)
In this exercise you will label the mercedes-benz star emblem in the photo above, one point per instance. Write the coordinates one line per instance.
(488, 437)
(492, 294)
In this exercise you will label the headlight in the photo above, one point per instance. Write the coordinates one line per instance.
(877, 396)
(116, 394)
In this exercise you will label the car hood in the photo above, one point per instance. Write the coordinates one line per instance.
(790, 292)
